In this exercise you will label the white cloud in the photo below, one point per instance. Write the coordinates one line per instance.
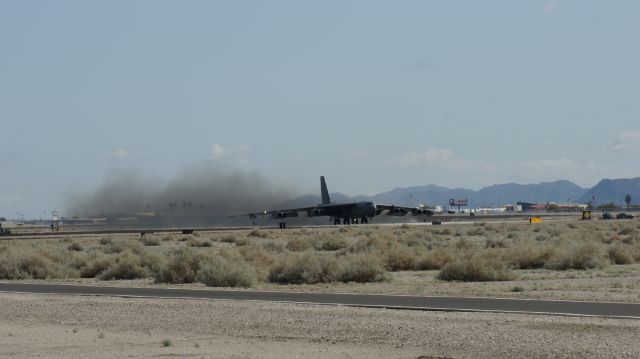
(628, 141)
(119, 154)
(220, 152)
(446, 164)
(438, 157)
(550, 6)
(217, 151)
(358, 153)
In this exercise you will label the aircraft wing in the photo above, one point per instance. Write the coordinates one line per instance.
(278, 213)
(394, 210)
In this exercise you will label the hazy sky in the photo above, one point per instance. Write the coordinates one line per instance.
(371, 94)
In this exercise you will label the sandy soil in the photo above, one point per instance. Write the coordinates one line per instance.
(98, 327)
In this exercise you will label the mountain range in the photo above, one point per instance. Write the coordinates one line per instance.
(562, 191)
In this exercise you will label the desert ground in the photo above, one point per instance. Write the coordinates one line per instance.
(63, 326)
(595, 261)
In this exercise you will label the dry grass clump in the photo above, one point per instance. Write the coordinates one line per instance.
(17, 264)
(362, 268)
(258, 234)
(75, 246)
(434, 259)
(228, 238)
(318, 268)
(300, 244)
(476, 268)
(181, 267)
(399, 258)
(195, 242)
(585, 255)
(150, 241)
(220, 272)
(620, 254)
(333, 243)
(123, 244)
(527, 255)
(124, 265)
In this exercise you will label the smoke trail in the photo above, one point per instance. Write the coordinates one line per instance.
(198, 191)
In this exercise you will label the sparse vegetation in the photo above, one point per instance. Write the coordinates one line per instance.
(478, 252)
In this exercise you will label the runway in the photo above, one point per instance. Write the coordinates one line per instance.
(458, 304)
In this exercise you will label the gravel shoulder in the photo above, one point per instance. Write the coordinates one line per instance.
(67, 326)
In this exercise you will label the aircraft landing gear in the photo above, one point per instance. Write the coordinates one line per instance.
(282, 225)
(336, 221)
(364, 220)
(345, 221)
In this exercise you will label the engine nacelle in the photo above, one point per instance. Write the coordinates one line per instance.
(284, 214)
(397, 212)
(316, 212)
(422, 212)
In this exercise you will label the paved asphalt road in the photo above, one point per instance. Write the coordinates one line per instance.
(620, 310)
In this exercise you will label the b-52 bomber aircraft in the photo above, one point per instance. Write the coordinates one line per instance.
(350, 213)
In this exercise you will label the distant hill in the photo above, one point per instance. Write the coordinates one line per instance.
(614, 190)
(557, 191)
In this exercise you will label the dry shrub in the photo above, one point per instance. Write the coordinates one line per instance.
(495, 243)
(308, 268)
(182, 267)
(311, 268)
(299, 244)
(619, 254)
(195, 242)
(527, 256)
(96, 264)
(576, 256)
(124, 265)
(625, 231)
(258, 234)
(75, 246)
(121, 245)
(242, 242)
(476, 268)
(434, 259)
(362, 268)
(228, 238)
(272, 246)
(333, 244)
(105, 240)
(476, 231)
(21, 265)
(367, 244)
(149, 241)
(400, 258)
(464, 244)
(259, 257)
(220, 272)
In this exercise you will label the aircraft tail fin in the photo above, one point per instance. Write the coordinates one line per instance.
(324, 191)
